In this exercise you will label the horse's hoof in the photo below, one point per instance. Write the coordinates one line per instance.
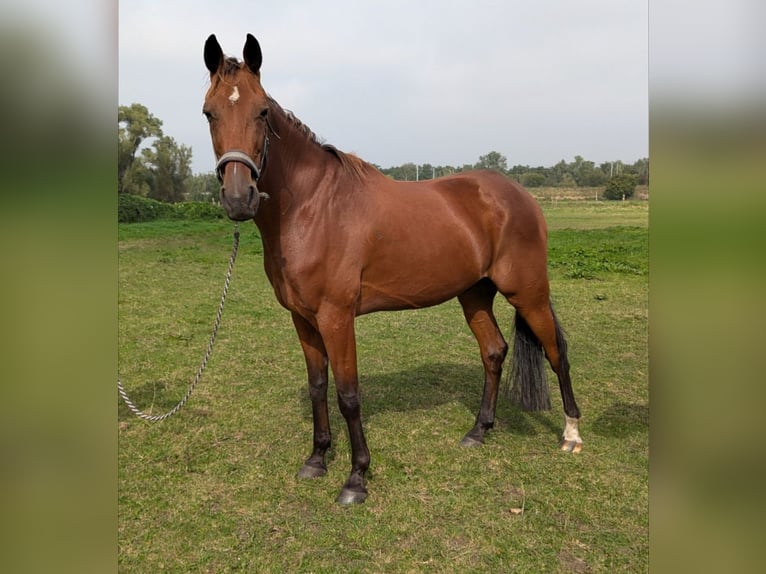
(309, 471)
(572, 446)
(470, 442)
(348, 496)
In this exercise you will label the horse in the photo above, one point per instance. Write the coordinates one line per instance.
(341, 239)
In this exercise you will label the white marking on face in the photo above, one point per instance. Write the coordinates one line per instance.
(234, 96)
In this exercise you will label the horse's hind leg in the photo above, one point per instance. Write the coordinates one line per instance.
(477, 308)
(543, 322)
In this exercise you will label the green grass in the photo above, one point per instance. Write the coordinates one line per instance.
(595, 214)
(213, 489)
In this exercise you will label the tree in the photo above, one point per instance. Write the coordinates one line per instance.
(592, 177)
(555, 174)
(532, 179)
(135, 124)
(137, 179)
(170, 165)
(493, 160)
(202, 187)
(641, 169)
(407, 172)
(567, 180)
(442, 170)
(518, 171)
(620, 187)
(426, 171)
(585, 173)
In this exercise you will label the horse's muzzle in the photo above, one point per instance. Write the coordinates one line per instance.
(242, 205)
(239, 192)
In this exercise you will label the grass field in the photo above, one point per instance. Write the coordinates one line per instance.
(213, 489)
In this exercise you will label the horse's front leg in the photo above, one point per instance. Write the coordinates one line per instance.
(337, 328)
(316, 365)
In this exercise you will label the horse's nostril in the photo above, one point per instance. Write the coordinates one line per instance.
(251, 194)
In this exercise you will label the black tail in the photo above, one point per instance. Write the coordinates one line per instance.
(530, 384)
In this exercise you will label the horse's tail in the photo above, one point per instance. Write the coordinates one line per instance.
(529, 387)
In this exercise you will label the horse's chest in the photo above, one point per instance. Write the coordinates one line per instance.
(283, 288)
(297, 287)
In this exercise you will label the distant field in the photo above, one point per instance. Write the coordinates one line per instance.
(595, 214)
(213, 489)
(581, 193)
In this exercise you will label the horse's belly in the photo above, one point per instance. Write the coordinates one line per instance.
(418, 288)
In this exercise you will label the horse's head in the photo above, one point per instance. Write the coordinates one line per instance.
(236, 107)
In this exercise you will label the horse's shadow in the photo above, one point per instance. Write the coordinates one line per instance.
(431, 385)
(621, 419)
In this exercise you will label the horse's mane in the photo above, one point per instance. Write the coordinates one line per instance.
(353, 164)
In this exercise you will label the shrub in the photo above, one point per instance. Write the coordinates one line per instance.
(532, 179)
(198, 210)
(136, 209)
(621, 186)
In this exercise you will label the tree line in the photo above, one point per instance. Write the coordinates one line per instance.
(162, 171)
(578, 173)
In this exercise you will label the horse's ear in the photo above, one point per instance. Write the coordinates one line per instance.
(252, 54)
(213, 54)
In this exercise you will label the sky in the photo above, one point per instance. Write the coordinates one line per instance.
(439, 82)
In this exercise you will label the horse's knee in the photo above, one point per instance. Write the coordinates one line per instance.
(318, 389)
(494, 356)
(349, 403)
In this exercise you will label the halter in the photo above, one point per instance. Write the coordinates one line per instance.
(242, 157)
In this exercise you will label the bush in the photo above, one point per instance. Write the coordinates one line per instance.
(198, 210)
(532, 179)
(621, 186)
(136, 209)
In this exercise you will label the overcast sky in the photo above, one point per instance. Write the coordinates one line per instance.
(438, 82)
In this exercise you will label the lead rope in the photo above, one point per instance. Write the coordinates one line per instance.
(155, 418)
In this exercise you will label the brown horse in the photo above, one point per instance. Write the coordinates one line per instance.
(341, 239)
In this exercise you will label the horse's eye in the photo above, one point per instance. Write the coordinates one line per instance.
(263, 113)
(208, 115)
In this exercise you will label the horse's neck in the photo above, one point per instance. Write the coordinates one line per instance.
(295, 167)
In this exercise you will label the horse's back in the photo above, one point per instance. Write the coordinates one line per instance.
(482, 205)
